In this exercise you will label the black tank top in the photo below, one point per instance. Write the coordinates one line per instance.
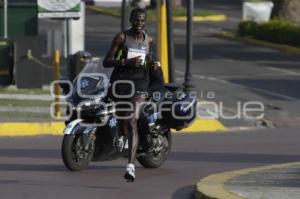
(138, 75)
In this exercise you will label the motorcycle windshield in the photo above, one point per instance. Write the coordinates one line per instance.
(92, 81)
(94, 66)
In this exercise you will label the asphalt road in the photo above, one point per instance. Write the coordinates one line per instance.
(235, 72)
(32, 167)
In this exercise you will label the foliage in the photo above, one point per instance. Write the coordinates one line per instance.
(276, 31)
(287, 9)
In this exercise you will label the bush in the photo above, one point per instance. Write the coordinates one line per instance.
(276, 31)
(248, 28)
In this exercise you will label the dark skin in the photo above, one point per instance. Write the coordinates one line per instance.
(137, 31)
(137, 27)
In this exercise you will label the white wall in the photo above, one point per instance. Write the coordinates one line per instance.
(77, 30)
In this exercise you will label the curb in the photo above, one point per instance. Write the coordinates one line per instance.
(11, 129)
(213, 186)
(212, 18)
(205, 125)
(281, 47)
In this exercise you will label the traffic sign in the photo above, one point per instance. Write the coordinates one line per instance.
(59, 8)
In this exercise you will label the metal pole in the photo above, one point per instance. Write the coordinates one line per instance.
(189, 39)
(124, 15)
(170, 41)
(68, 36)
(71, 65)
(56, 72)
(5, 19)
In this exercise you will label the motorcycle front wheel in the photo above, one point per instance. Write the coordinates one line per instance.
(151, 160)
(73, 152)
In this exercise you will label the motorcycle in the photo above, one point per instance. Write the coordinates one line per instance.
(93, 133)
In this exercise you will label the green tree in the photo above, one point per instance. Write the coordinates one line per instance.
(287, 9)
(175, 3)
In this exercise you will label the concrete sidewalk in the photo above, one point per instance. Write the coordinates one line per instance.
(269, 182)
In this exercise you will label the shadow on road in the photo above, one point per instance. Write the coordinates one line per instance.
(56, 184)
(32, 167)
(278, 86)
(184, 193)
(218, 4)
(232, 157)
(174, 156)
(237, 51)
(48, 168)
(31, 153)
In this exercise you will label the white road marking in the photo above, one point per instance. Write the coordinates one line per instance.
(179, 78)
(202, 77)
(289, 72)
(223, 57)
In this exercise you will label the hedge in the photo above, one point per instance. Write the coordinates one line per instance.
(276, 31)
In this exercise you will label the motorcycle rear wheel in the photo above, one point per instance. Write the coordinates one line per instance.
(151, 160)
(74, 156)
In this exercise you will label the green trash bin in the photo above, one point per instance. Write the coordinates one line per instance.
(6, 62)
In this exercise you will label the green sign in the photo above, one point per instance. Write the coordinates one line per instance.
(59, 8)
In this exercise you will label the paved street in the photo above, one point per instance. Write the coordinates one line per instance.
(234, 71)
(32, 167)
(237, 73)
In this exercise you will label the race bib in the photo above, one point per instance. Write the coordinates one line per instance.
(133, 52)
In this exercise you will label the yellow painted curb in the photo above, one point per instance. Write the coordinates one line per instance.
(57, 128)
(215, 18)
(281, 47)
(213, 186)
(201, 125)
(31, 129)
